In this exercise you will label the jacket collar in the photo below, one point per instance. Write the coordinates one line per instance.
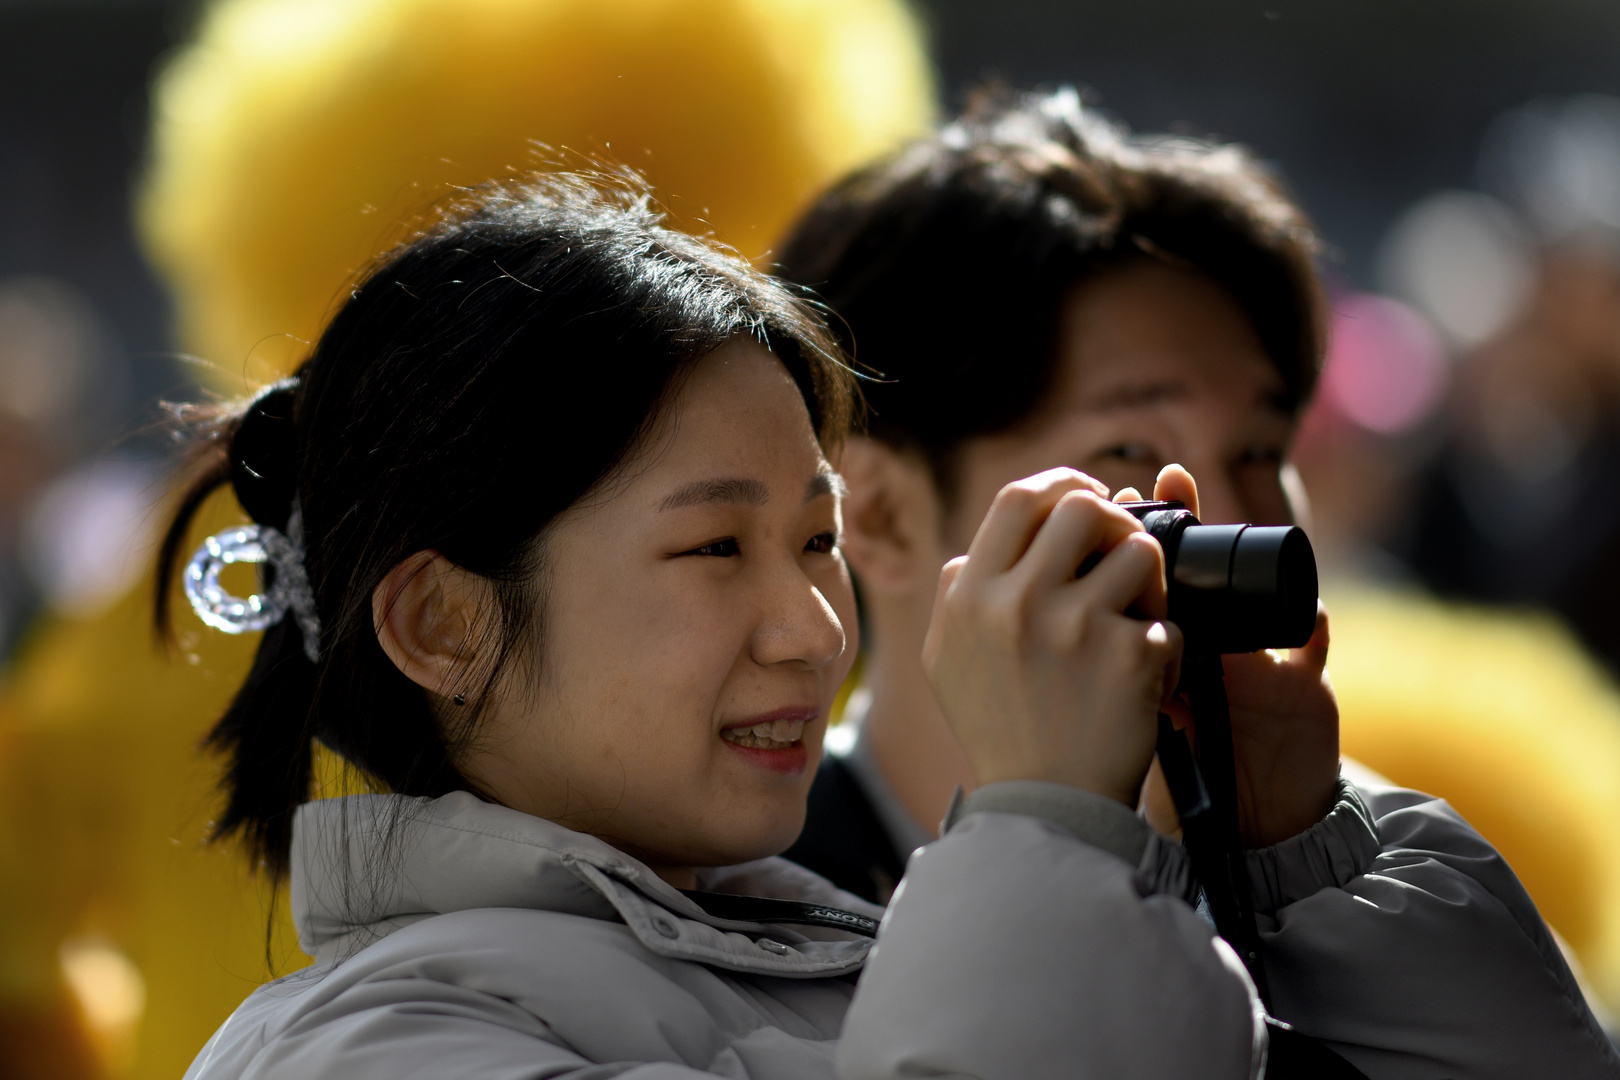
(364, 866)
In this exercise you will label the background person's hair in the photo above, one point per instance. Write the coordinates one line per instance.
(480, 381)
(946, 263)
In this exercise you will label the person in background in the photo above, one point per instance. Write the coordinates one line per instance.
(1035, 289)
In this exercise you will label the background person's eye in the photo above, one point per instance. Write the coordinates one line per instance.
(822, 543)
(1131, 453)
(720, 549)
(1261, 455)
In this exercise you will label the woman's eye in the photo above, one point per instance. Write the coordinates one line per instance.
(720, 549)
(822, 543)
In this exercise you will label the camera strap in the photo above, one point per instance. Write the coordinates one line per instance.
(1204, 788)
(1205, 792)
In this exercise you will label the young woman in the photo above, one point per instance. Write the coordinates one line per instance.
(554, 536)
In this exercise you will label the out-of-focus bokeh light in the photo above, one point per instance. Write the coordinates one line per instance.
(1463, 259)
(92, 533)
(1386, 368)
(111, 994)
(1558, 160)
(49, 340)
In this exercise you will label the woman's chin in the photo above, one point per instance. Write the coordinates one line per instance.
(763, 837)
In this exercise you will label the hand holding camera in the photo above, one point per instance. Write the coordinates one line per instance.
(1285, 722)
(1044, 675)
(1079, 637)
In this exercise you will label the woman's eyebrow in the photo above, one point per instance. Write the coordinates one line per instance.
(736, 489)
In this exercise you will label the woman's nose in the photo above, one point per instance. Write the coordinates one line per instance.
(800, 629)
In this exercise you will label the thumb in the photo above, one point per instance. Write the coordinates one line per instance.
(1175, 484)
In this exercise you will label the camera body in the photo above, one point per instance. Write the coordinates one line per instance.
(1234, 588)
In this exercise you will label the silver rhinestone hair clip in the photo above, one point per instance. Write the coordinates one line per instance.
(290, 590)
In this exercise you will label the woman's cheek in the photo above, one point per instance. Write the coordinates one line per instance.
(698, 644)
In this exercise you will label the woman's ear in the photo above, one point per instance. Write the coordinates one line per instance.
(427, 612)
(891, 518)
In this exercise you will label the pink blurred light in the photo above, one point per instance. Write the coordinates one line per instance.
(1386, 369)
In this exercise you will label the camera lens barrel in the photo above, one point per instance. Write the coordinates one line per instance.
(1234, 588)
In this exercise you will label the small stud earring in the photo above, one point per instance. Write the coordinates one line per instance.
(460, 699)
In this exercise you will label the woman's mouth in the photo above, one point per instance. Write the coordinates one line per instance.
(774, 741)
(770, 735)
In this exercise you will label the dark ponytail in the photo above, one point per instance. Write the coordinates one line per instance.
(478, 383)
(254, 449)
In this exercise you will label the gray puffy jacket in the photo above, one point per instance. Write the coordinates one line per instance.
(1047, 934)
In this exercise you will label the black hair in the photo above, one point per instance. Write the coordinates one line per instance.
(947, 262)
(481, 380)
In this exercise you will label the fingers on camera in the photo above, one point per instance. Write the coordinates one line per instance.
(1130, 576)
(1080, 526)
(1129, 579)
(1019, 511)
(1175, 484)
(1164, 638)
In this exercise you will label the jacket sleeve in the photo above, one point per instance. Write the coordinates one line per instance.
(1395, 933)
(1048, 934)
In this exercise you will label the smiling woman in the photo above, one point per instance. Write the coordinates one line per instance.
(663, 408)
(703, 610)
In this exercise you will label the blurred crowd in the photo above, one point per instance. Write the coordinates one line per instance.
(1468, 429)
(1461, 462)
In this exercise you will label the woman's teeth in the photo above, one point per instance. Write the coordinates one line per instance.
(772, 735)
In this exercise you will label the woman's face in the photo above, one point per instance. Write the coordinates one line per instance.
(697, 621)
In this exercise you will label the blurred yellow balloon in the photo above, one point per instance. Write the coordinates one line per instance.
(295, 136)
(1505, 716)
(290, 142)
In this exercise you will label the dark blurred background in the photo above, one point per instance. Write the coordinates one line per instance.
(1364, 106)
(1366, 109)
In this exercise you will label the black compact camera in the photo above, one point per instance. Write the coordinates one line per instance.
(1234, 588)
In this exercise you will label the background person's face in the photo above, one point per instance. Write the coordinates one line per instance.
(700, 595)
(1158, 365)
